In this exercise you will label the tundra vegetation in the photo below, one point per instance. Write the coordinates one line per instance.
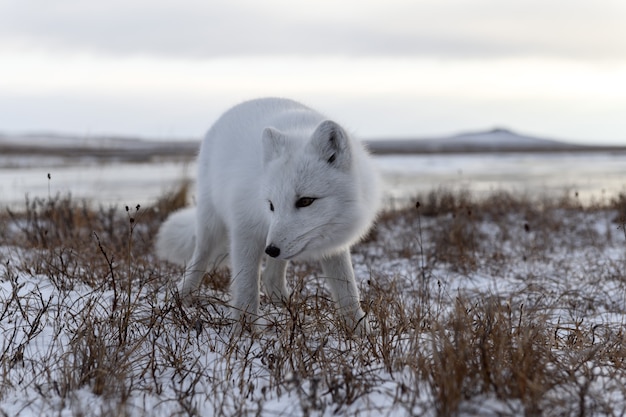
(502, 305)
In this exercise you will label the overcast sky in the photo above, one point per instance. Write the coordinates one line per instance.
(397, 68)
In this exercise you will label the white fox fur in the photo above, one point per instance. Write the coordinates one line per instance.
(275, 177)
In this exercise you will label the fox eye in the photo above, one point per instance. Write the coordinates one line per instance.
(271, 206)
(304, 202)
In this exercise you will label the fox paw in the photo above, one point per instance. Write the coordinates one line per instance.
(248, 323)
(357, 324)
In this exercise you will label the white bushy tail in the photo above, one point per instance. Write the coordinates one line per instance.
(176, 239)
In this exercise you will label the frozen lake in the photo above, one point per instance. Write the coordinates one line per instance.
(594, 175)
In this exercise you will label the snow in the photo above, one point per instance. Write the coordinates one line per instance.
(571, 284)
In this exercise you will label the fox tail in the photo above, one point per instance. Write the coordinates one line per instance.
(176, 239)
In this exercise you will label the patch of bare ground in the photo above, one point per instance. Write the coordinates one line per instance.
(505, 305)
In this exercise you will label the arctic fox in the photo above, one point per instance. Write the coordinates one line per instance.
(275, 178)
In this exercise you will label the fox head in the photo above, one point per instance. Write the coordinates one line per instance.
(312, 192)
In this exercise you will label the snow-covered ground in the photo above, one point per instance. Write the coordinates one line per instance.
(490, 311)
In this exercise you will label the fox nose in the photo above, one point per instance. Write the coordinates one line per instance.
(272, 250)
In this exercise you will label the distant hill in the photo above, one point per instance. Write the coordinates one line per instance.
(101, 147)
(495, 140)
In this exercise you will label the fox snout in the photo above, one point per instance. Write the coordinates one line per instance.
(272, 250)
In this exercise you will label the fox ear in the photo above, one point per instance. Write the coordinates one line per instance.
(331, 143)
(273, 144)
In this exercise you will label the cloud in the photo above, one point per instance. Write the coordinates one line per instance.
(435, 28)
(394, 67)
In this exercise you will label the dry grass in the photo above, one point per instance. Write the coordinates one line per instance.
(503, 306)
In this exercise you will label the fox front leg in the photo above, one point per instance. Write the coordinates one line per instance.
(340, 275)
(245, 279)
(273, 278)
